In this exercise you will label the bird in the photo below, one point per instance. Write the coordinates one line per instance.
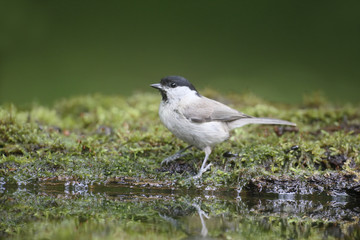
(197, 120)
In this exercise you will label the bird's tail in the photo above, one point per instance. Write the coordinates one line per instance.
(245, 121)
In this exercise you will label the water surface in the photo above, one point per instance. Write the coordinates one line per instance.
(75, 211)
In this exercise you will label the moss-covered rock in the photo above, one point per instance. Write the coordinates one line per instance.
(97, 139)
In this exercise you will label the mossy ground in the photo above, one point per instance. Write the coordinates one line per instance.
(97, 139)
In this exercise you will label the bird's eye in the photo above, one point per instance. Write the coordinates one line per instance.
(173, 85)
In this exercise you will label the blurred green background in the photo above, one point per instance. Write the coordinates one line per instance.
(279, 50)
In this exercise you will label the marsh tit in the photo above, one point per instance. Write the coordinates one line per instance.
(197, 120)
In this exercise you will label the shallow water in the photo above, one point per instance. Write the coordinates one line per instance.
(75, 211)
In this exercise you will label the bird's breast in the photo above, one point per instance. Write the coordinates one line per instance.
(196, 134)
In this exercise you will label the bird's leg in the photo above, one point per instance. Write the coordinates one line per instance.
(176, 156)
(204, 167)
(202, 214)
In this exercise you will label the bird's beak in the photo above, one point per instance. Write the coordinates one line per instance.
(156, 85)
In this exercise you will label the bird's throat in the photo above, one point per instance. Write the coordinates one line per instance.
(164, 96)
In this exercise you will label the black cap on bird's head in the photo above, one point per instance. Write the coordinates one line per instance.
(176, 81)
(172, 82)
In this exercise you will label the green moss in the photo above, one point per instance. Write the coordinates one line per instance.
(97, 138)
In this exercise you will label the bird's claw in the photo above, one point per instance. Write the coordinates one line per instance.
(202, 170)
(167, 160)
(207, 167)
(173, 158)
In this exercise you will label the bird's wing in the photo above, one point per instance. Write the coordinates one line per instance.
(207, 110)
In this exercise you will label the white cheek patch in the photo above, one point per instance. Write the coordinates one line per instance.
(179, 92)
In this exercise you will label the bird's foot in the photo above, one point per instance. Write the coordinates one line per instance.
(176, 156)
(201, 171)
(173, 158)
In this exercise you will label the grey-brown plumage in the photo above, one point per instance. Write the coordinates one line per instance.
(206, 110)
